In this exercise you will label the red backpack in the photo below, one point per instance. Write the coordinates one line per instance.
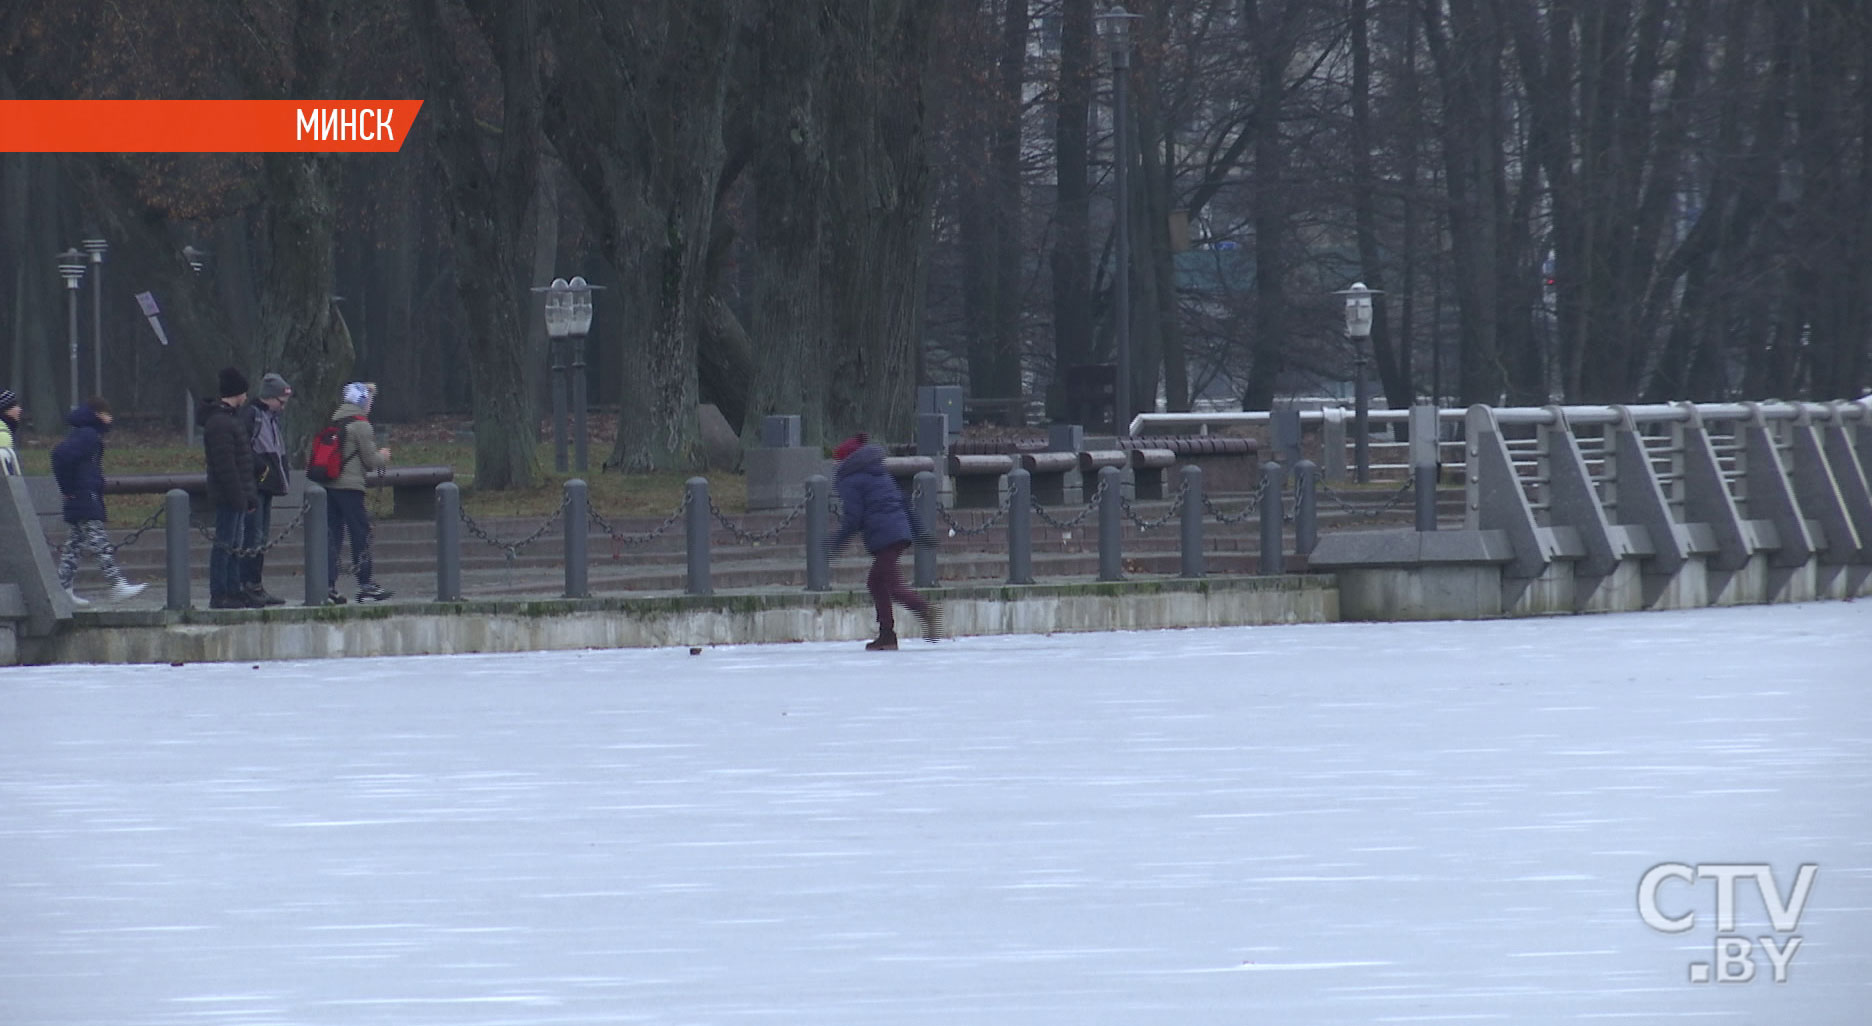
(327, 458)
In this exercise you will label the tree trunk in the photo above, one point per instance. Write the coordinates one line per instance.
(1071, 257)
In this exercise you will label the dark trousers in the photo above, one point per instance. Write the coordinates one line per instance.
(345, 513)
(259, 522)
(224, 567)
(886, 584)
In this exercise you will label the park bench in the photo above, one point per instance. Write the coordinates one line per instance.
(1147, 471)
(978, 479)
(1229, 464)
(1049, 470)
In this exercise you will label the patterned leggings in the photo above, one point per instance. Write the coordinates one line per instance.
(88, 539)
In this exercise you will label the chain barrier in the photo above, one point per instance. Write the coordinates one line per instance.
(1091, 506)
(130, 539)
(1176, 508)
(1248, 512)
(747, 537)
(1360, 511)
(621, 540)
(246, 553)
(512, 549)
(959, 529)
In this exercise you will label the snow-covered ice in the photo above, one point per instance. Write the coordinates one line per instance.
(1348, 823)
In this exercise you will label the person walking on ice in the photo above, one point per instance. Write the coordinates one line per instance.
(78, 466)
(874, 505)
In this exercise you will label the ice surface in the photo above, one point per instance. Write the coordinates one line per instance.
(1348, 823)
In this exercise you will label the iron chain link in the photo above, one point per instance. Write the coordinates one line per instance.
(1370, 514)
(747, 537)
(238, 553)
(512, 549)
(619, 539)
(1092, 505)
(1248, 512)
(1176, 507)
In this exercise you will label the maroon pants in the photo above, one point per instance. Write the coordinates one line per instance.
(886, 584)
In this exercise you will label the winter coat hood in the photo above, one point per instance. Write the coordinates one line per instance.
(86, 417)
(872, 501)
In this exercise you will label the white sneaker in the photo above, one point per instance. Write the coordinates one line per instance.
(75, 600)
(126, 590)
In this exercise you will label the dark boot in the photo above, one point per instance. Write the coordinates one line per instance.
(931, 616)
(886, 642)
(259, 596)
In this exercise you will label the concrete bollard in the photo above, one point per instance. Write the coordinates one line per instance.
(818, 516)
(577, 525)
(1193, 522)
(1273, 515)
(696, 529)
(448, 542)
(1111, 525)
(317, 546)
(1424, 483)
(1020, 527)
(176, 547)
(1306, 506)
(923, 573)
(1424, 427)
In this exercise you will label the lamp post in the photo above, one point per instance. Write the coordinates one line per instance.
(97, 248)
(568, 315)
(1114, 26)
(1358, 322)
(71, 267)
(195, 257)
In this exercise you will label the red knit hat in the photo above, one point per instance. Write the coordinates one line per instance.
(849, 446)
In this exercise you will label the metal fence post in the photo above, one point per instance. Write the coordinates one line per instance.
(1273, 515)
(696, 527)
(448, 542)
(317, 546)
(1306, 506)
(577, 524)
(1111, 525)
(1424, 427)
(1193, 522)
(176, 547)
(924, 565)
(1020, 527)
(818, 515)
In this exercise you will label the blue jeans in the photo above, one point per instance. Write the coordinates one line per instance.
(345, 512)
(259, 522)
(224, 567)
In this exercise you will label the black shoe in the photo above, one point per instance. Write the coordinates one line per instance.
(240, 601)
(886, 642)
(372, 593)
(332, 598)
(259, 596)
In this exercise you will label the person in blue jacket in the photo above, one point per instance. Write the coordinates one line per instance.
(874, 505)
(78, 466)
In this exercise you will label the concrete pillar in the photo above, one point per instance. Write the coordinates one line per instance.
(1306, 506)
(818, 515)
(924, 562)
(1111, 525)
(1020, 527)
(176, 554)
(448, 542)
(1192, 540)
(317, 546)
(1273, 516)
(696, 530)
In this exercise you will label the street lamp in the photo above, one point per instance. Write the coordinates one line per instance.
(195, 257)
(71, 267)
(1114, 26)
(568, 315)
(97, 248)
(1358, 322)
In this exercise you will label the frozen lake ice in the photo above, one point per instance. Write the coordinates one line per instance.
(1347, 823)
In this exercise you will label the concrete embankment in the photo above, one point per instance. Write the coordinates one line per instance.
(287, 632)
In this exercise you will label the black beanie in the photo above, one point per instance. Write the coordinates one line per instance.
(232, 383)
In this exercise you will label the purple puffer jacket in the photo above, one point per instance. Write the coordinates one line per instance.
(873, 502)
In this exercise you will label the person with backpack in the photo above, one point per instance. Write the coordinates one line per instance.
(9, 426)
(261, 418)
(78, 466)
(356, 454)
(228, 453)
(874, 506)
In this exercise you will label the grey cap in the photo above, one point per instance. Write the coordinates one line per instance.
(272, 386)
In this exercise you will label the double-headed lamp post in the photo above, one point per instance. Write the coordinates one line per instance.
(71, 267)
(1358, 322)
(568, 315)
(97, 248)
(1114, 26)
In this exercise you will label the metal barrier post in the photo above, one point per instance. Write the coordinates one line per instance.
(1306, 506)
(818, 513)
(176, 547)
(696, 527)
(317, 546)
(1020, 527)
(924, 566)
(1424, 426)
(1273, 513)
(577, 524)
(1192, 521)
(448, 542)
(1111, 525)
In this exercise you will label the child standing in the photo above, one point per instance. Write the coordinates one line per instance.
(78, 465)
(10, 414)
(874, 505)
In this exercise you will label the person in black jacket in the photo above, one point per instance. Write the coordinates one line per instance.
(78, 466)
(261, 418)
(229, 455)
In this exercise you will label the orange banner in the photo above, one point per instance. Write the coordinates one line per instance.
(205, 126)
